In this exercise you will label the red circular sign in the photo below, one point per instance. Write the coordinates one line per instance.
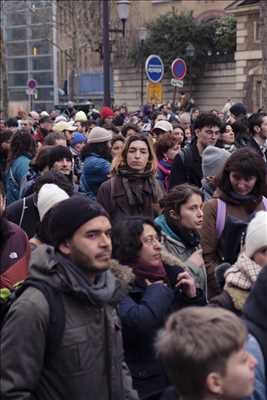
(179, 69)
(32, 83)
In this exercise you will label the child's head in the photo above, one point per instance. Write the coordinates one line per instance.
(203, 352)
(256, 239)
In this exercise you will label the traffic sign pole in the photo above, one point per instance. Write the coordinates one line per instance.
(179, 70)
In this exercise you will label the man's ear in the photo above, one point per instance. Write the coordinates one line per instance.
(256, 129)
(214, 383)
(64, 248)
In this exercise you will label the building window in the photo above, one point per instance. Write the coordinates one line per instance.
(17, 64)
(257, 31)
(14, 34)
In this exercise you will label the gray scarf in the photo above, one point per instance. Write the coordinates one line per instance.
(105, 289)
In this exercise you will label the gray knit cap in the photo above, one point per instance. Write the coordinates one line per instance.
(213, 160)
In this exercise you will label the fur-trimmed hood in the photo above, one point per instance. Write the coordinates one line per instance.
(122, 272)
(171, 260)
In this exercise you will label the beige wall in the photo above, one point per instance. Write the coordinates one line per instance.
(211, 91)
(143, 11)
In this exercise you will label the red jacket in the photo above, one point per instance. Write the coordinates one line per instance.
(14, 256)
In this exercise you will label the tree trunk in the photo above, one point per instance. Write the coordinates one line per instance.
(263, 15)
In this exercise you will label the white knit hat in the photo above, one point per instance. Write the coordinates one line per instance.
(48, 196)
(99, 135)
(256, 237)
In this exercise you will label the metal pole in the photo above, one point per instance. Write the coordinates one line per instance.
(142, 73)
(106, 54)
(55, 52)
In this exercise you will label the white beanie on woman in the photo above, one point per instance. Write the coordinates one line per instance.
(48, 196)
(256, 237)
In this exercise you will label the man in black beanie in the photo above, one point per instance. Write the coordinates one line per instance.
(88, 363)
(60, 159)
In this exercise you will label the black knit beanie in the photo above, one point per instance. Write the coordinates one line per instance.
(68, 215)
(57, 153)
(238, 109)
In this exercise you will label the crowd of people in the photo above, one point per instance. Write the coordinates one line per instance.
(133, 254)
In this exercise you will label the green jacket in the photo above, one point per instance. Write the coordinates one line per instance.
(89, 363)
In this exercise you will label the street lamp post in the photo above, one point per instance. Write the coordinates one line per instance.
(142, 37)
(123, 12)
(190, 52)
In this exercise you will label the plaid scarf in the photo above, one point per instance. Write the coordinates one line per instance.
(242, 274)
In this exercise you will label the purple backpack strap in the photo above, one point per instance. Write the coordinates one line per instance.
(220, 217)
(264, 200)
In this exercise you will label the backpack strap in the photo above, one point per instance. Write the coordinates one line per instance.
(56, 325)
(220, 217)
(264, 200)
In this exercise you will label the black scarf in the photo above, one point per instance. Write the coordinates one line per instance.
(134, 185)
(244, 200)
(189, 238)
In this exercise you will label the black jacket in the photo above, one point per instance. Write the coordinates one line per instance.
(142, 313)
(254, 145)
(24, 213)
(255, 312)
(187, 168)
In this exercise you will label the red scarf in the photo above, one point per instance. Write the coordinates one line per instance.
(145, 271)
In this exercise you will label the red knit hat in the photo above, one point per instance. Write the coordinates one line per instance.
(106, 112)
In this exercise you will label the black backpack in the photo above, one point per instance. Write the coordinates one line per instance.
(54, 299)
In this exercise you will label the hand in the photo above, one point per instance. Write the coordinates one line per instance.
(197, 258)
(186, 282)
(149, 283)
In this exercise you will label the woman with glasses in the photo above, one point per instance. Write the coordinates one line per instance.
(159, 288)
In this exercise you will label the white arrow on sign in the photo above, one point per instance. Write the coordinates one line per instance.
(177, 83)
(31, 92)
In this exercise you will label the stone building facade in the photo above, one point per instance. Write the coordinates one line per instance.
(248, 56)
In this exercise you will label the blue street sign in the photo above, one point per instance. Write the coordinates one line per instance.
(154, 68)
(179, 69)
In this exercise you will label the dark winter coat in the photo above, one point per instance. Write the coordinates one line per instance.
(24, 213)
(14, 255)
(187, 168)
(14, 176)
(89, 363)
(142, 313)
(255, 311)
(111, 195)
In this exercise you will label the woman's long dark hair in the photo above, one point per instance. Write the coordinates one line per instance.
(22, 143)
(247, 163)
(101, 149)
